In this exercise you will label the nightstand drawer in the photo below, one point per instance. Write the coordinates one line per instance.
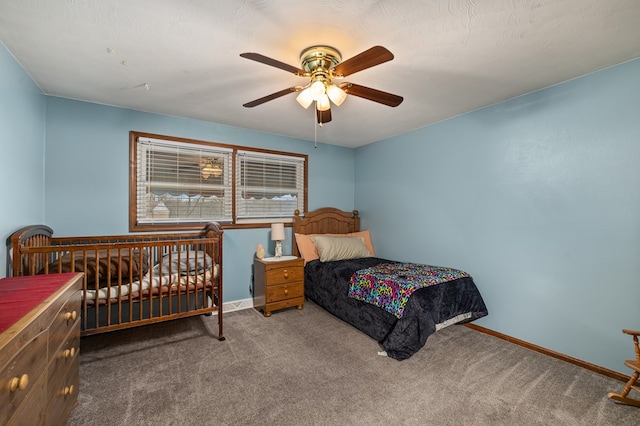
(284, 291)
(284, 275)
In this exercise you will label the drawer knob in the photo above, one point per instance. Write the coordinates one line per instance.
(71, 316)
(69, 353)
(286, 273)
(19, 383)
(286, 291)
(68, 390)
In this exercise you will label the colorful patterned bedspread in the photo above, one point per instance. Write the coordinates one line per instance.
(389, 285)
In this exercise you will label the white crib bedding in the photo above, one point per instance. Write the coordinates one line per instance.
(187, 268)
(150, 282)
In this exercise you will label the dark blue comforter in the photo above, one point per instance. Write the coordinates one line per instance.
(327, 284)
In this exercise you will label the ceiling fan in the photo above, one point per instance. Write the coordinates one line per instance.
(321, 65)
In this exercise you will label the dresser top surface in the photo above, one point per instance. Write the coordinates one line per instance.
(20, 295)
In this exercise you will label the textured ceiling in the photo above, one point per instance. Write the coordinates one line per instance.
(182, 58)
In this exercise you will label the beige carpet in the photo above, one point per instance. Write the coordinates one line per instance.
(309, 368)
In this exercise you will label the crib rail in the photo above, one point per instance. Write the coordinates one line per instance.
(130, 280)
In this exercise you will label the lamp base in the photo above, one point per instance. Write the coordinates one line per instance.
(278, 248)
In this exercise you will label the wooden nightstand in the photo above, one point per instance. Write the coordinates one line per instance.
(278, 284)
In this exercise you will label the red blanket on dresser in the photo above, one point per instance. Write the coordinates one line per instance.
(19, 295)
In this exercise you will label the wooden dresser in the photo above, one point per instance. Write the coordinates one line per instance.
(39, 346)
(278, 284)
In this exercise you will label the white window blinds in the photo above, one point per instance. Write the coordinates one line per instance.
(179, 182)
(268, 186)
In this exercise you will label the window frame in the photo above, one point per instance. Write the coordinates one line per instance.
(136, 226)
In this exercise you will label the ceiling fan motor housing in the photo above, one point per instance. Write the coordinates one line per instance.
(319, 59)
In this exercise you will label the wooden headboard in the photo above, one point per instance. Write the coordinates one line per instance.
(327, 220)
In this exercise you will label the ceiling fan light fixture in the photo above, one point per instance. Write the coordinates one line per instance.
(317, 89)
(336, 94)
(323, 104)
(305, 98)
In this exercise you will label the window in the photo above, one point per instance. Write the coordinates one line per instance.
(182, 183)
(268, 185)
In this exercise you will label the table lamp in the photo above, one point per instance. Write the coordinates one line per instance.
(277, 235)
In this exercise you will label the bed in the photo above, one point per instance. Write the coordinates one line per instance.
(129, 280)
(401, 329)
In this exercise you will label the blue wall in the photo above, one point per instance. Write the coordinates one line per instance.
(22, 121)
(87, 175)
(537, 198)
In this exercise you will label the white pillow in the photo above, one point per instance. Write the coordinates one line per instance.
(340, 248)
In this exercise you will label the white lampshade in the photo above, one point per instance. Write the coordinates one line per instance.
(305, 98)
(336, 94)
(317, 89)
(277, 231)
(323, 103)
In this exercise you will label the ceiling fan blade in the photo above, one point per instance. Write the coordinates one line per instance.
(273, 62)
(367, 59)
(270, 97)
(324, 116)
(372, 94)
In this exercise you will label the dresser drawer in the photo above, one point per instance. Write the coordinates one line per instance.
(19, 376)
(284, 275)
(32, 409)
(62, 358)
(284, 291)
(65, 396)
(67, 318)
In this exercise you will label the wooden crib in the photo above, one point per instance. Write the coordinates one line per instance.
(129, 280)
